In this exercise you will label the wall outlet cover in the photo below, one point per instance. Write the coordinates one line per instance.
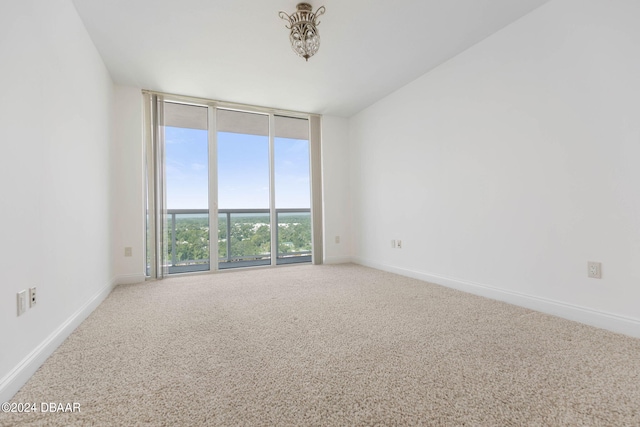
(32, 297)
(594, 270)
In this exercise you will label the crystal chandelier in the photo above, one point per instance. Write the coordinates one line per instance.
(305, 39)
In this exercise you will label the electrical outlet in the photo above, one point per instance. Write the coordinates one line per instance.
(594, 270)
(128, 251)
(22, 302)
(337, 239)
(399, 244)
(393, 244)
(32, 297)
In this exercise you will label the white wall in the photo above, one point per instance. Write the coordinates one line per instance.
(335, 189)
(55, 120)
(128, 185)
(506, 169)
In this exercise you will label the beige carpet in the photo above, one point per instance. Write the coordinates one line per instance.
(331, 345)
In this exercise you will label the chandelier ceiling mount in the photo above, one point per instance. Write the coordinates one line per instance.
(304, 35)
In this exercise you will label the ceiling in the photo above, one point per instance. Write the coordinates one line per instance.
(238, 50)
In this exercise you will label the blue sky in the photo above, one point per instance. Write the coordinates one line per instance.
(243, 170)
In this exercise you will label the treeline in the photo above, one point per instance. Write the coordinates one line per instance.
(249, 236)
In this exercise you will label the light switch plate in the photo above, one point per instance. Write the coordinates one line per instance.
(22, 302)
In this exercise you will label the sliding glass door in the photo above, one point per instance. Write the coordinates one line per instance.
(244, 220)
(228, 188)
(186, 187)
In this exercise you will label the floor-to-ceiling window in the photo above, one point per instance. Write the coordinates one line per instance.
(292, 189)
(228, 186)
(186, 166)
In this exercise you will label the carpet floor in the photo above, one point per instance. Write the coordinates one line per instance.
(330, 345)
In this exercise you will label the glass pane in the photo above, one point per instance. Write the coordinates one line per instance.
(294, 237)
(250, 242)
(292, 188)
(222, 236)
(244, 237)
(187, 188)
(189, 243)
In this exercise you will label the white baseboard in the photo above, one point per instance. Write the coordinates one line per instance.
(338, 260)
(612, 322)
(128, 279)
(11, 383)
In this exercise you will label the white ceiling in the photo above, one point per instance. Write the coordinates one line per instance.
(238, 50)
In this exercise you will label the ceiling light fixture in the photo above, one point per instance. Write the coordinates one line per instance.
(304, 36)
